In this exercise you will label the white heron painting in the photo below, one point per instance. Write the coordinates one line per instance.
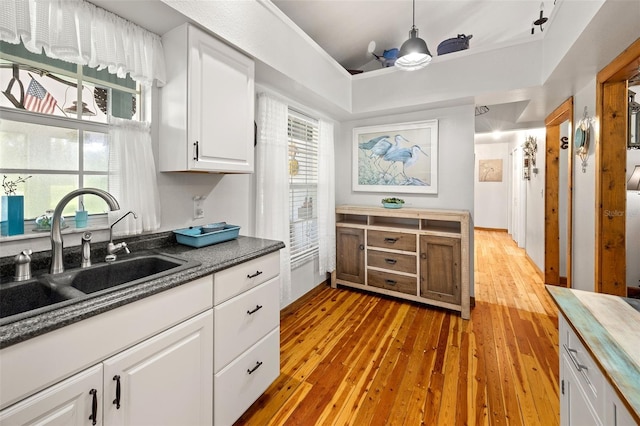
(396, 158)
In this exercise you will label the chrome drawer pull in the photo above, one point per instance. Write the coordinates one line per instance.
(258, 364)
(254, 275)
(391, 282)
(391, 261)
(574, 360)
(258, 307)
(390, 240)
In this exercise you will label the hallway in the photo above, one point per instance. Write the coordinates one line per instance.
(351, 358)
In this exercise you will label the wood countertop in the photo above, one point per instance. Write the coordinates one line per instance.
(609, 327)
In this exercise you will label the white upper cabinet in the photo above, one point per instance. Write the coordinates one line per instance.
(207, 105)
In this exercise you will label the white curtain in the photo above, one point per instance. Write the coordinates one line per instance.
(132, 176)
(272, 183)
(326, 198)
(76, 31)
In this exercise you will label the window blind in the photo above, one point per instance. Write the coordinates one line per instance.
(303, 187)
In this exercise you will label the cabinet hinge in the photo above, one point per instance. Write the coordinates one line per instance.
(562, 382)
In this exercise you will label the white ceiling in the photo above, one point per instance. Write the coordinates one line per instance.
(344, 28)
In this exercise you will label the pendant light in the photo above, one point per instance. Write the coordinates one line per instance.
(414, 53)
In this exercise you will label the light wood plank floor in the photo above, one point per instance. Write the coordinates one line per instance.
(350, 358)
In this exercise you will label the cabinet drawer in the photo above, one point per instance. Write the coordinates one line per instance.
(240, 278)
(392, 282)
(239, 384)
(582, 364)
(392, 240)
(243, 320)
(392, 261)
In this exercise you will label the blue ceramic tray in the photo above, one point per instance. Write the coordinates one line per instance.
(195, 238)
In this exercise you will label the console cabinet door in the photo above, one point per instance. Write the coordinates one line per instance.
(165, 380)
(440, 273)
(350, 255)
(68, 403)
(575, 407)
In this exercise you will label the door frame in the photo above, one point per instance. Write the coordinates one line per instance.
(564, 112)
(610, 152)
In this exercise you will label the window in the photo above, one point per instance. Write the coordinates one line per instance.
(54, 126)
(303, 187)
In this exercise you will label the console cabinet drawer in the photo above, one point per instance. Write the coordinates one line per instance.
(394, 282)
(392, 240)
(392, 261)
(240, 278)
(240, 383)
(243, 320)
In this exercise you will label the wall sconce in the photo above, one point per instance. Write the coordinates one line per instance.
(634, 181)
(582, 137)
(530, 148)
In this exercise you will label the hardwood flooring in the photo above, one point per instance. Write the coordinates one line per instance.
(351, 358)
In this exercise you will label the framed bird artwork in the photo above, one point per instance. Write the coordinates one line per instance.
(396, 158)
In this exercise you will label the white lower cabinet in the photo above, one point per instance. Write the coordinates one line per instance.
(165, 380)
(240, 383)
(246, 335)
(68, 403)
(586, 397)
(152, 362)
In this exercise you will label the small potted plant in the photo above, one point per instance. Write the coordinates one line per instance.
(12, 221)
(392, 202)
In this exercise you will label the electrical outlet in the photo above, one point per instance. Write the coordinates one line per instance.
(198, 206)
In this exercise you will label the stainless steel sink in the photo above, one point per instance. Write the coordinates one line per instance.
(27, 298)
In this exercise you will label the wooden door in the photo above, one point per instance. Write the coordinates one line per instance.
(611, 151)
(165, 380)
(564, 113)
(68, 403)
(350, 255)
(440, 263)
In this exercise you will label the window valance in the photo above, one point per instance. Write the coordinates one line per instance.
(79, 32)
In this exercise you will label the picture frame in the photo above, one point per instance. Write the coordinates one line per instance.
(396, 158)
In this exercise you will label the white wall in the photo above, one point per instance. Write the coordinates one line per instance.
(563, 195)
(584, 188)
(455, 162)
(491, 199)
(535, 202)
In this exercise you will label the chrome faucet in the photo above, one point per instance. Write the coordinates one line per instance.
(112, 248)
(57, 265)
(85, 260)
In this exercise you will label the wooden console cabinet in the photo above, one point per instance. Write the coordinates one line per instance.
(414, 254)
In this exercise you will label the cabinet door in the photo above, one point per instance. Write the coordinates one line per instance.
(575, 408)
(68, 403)
(616, 413)
(350, 255)
(165, 380)
(221, 105)
(440, 273)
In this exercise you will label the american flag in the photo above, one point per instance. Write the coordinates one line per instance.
(38, 99)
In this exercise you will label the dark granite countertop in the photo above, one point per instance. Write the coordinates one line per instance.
(212, 259)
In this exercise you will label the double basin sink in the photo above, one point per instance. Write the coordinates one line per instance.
(24, 299)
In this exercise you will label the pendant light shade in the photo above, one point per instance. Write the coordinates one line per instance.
(414, 53)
